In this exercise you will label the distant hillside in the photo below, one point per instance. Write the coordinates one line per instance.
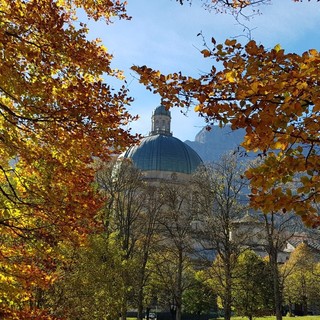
(212, 144)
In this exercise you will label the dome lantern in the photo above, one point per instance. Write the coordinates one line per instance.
(161, 121)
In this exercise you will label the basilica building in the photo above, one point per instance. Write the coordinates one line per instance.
(161, 156)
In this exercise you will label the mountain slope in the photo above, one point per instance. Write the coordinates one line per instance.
(212, 144)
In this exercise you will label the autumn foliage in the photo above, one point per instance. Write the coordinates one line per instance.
(56, 115)
(274, 96)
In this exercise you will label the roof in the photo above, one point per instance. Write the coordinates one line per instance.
(163, 153)
(161, 110)
(248, 219)
(311, 243)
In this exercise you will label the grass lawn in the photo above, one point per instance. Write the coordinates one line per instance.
(273, 318)
(267, 318)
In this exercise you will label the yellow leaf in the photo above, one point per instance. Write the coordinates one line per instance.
(313, 52)
(255, 86)
(198, 108)
(277, 47)
(302, 85)
(231, 76)
(280, 145)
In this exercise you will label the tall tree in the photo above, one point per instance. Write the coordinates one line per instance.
(56, 114)
(218, 191)
(90, 286)
(278, 230)
(121, 184)
(175, 245)
(199, 298)
(253, 290)
(131, 211)
(153, 204)
(301, 286)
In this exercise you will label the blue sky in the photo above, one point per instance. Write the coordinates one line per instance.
(163, 35)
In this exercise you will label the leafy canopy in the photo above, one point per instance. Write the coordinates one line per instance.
(274, 96)
(56, 115)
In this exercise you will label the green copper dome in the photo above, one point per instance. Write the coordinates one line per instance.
(163, 153)
(161, 110)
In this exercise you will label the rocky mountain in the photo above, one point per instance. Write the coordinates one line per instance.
(212, 144)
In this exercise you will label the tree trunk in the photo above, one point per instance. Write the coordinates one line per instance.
(272, 249)
(179, 286)
(140, 304)
(276, 285)
(227, 304)
(178, 313)
(304, 305)
(228, 288)
(173, 312)
(141, 289)
(290, 308)
(124, 310)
